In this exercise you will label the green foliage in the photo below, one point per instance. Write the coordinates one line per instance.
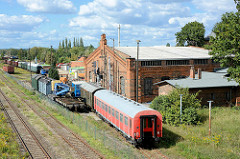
(238, 4)
(53, 73)
(169, 107)
(226, 44)
(167, 45)
(192, 34)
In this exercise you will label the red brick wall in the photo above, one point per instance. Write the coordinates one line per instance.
(124, 66)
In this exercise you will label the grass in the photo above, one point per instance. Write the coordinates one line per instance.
(185, 141)
(9, 147)
(194, 141)
(32, 117)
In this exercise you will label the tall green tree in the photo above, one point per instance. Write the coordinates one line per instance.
(226, 43)
(53, 73)
(74, 42)
(81, 43)
(192, 34)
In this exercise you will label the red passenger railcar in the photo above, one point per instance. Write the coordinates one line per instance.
(134, 120)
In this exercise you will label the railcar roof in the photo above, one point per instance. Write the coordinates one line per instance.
(87, 86)
(121, 103)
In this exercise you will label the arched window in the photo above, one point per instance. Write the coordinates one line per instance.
(122, 85)
(148, 90)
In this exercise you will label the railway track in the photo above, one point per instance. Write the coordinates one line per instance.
(23, 129)
(74, 141)
(152, 154)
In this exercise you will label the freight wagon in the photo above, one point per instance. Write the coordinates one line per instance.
(8, 68)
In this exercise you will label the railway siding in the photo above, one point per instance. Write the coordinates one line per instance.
(28, 136)
(75, 142)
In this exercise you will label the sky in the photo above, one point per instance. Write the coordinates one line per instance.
(42, 23)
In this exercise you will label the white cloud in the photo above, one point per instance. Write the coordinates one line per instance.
(216, 6)
(19, 23)
(48, 6)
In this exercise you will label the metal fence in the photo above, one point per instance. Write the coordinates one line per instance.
(109, 141)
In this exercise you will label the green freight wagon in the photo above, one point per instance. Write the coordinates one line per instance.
(35, 79)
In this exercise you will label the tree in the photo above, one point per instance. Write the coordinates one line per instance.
(167, 45)
(74, 42)
(169, 107)
(192, 34)
(226, 44)
(81, 43)
(53, 73)
(238, 4)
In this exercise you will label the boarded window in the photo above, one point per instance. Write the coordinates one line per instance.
(148, 90)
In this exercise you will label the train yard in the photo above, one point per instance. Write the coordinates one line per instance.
(80, 148)
(69, 139)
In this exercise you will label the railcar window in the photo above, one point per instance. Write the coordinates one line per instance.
(105, 107)
(112, 112)
(109, 110)
(121, 117)
(126, 120)
(117, 115)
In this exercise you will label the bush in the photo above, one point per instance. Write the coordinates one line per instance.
(169, 107)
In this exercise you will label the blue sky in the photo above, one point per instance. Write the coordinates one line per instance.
(29, 23)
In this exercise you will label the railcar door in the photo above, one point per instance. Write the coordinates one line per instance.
(148, 126)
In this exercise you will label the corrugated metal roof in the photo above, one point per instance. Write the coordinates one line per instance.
(121, 103)
(208, 80)
(166, 53)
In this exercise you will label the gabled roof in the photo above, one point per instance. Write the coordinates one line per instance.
(166, 53)
(208, 80)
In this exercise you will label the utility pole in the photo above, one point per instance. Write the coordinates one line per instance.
(30, 63)
(114, 71)
(138, 41)
(210, 105)
(51, 55)
(180, 108)
(119, 35)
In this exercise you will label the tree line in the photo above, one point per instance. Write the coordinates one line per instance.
(67, 51)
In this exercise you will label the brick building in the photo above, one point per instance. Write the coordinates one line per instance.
(213, 86)
(78, 67)
(115, 69)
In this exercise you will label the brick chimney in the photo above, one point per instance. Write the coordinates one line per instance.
(103, 40)
(199, 73)
(192, 73)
